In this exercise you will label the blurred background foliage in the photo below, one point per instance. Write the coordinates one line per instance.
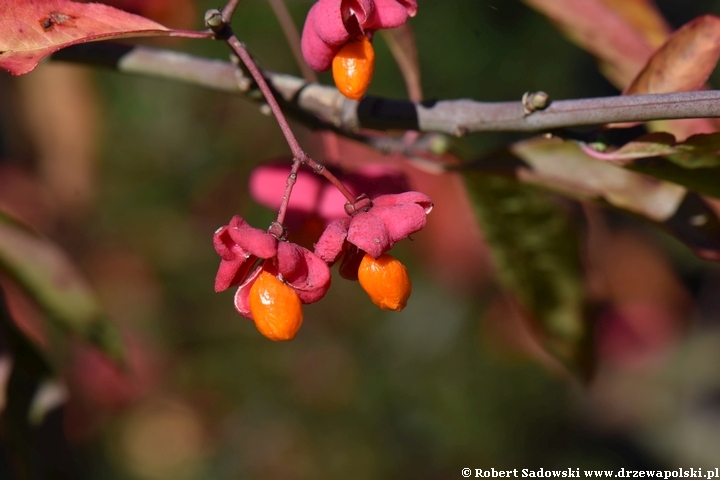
(132, 176)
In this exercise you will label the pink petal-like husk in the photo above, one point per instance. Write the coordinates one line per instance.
(405, 197)
(387, 14)
(362, 10)
(257, 242)
(401, 220)
(317, 53)
(326, 20)
(232, 272)
(242, 304)
(267, 185)
(304, 271)
(239, 245)
(330, 244)
(318, 280)
(290, 261)
(410, 5)
(368, 233)
(224, 245)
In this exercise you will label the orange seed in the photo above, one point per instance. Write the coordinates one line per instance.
(353, 67)
(386, 281)
(275, 307)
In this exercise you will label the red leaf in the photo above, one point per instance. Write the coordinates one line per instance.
(684, 62)
(30, 31)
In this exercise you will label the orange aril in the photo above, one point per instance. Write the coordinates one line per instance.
(275, 307)
(353, 67)
(386, 281)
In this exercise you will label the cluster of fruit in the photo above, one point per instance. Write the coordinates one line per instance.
(276, 277)
(277, 309)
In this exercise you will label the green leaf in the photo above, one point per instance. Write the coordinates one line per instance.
(537, 255)
(650, 145)
(694, 163)
(45, 272)
(563, 167)
(701, 180)
(698, 151)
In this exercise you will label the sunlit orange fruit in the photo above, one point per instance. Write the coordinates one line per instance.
(386, 281)
(275, 307)
(353, 67)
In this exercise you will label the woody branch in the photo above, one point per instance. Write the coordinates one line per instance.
(454, 117)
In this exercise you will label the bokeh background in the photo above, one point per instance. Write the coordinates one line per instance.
(132, 176)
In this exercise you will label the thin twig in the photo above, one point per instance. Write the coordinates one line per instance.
(292, 178)
(243, 54)
(295, 148)
(300, 157)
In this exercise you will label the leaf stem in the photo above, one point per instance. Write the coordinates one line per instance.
(297, 151)
(292, 178)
